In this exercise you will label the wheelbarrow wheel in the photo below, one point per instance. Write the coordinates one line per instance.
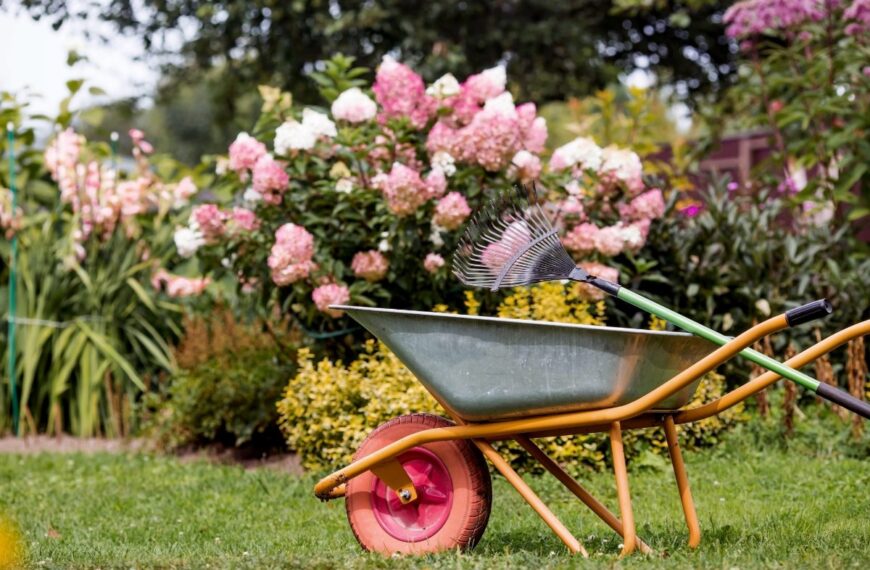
(454, 494)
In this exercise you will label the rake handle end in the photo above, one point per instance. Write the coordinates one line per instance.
(809, 312)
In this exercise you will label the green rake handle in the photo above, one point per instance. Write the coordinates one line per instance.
(794, 317)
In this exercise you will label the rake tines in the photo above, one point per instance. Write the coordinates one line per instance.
(509, 243)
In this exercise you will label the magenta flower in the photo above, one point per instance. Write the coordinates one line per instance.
(330, 294)
(757, 17)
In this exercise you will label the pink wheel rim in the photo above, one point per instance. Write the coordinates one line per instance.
(422, 518)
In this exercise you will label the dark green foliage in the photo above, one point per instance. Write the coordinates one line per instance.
(228, 400)
(745, 258)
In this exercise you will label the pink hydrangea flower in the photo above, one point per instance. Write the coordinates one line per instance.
(178, 286)
(582, 152)
(436, 183)
(649, 205)
(598, 270)
(210, 221)
(451, 211)
(370, 265)
(401, 93)
(290, 257)
(244, 220)
(609, 241)
(270, 178)
(330, 294)
(403, 189)
(487, 84)
(433, 262)
(493, 136)
(245, 151)
(354, 106)
(582, 238)
(624, 166)
(525, 166)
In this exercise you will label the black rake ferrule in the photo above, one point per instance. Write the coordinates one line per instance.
(581, 275)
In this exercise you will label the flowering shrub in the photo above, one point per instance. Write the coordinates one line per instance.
(365, 203)
(805, 78)
(329, 408)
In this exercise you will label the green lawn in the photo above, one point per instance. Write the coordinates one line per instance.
(799, 508)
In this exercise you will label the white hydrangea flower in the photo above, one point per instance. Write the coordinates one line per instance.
(345, 186)
(293, 135)
(631, 236)
(384, 245)
(624, 163)
(435, 235)
(444, 87)
(573, 188)
(502, 104)
(251, 196)
(444, 162)
(222, 165)
(188, 241)
(582, 151)
(496, 75)
(354, 106)
(318, 123)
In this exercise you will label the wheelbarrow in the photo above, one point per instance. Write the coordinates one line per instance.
(419, 483)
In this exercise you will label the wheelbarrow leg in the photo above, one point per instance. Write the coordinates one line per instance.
(531, 498)
(682, 482)
(572, 485)
(629, 536)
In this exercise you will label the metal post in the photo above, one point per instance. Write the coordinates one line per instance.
(13, 279)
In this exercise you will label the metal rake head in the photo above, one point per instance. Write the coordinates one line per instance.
(511, 242)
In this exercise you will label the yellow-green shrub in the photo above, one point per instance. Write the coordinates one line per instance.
(329, 408)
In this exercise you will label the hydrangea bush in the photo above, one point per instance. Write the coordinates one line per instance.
(363, 200)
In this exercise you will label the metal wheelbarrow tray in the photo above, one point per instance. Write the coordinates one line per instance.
(419, 482)
(485, 369)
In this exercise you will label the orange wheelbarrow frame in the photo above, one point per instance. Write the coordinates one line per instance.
(634, 415)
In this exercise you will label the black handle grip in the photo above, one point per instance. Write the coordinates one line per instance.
(844, 399)
(808, 312)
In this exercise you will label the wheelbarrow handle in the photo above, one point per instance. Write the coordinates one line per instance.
(809, 312)
(844, 399)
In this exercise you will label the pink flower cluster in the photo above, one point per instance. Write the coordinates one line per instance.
(245, 151)
(858, 16)
(451, 211)
(209, 219)
(370, 265)
(291, 256)
(629, 234)
(178, 286)
(405, 190)
(270, 179)
(433, 262)
(401, 93)
(493, 136)
(330, 294)
(758, 17)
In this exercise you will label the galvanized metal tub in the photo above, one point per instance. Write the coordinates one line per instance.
(485, 368)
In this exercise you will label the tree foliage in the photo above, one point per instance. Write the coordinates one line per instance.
(553, 48)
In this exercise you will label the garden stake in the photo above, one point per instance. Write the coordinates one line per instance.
(13, 278)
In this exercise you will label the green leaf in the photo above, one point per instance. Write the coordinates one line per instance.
(142, 294)
(103, 345)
